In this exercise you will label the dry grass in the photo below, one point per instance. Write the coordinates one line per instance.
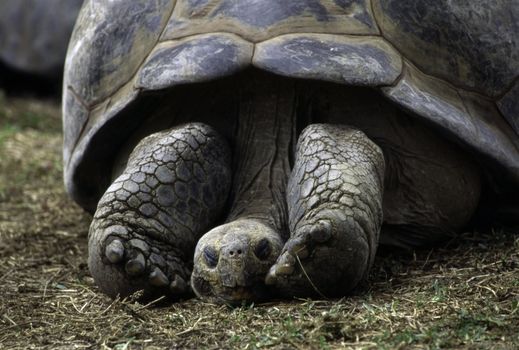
(465, 295)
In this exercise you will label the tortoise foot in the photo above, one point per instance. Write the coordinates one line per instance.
(126, 263)
(148, 221)
(334, 200)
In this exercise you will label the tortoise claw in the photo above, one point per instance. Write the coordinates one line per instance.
(284, 266)
(157, 278)
(297, 247)
(271, 277)
(321, 232)
(114, 251)
(136, 266)
(178, 286)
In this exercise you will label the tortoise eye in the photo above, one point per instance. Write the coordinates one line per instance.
(263, 249)
(210, 256)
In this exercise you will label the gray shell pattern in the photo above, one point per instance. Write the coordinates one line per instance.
(454, 64)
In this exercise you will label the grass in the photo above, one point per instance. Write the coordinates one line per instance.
(463, 295)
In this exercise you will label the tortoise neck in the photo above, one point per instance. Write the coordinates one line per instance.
(264, 138)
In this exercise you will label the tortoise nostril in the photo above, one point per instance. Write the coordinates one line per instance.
(234, 252)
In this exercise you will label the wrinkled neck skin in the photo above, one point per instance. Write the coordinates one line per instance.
(264, 136)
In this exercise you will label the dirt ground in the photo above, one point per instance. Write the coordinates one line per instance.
(462, 295)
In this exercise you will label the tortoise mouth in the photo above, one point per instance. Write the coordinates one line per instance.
(234, 296)
(243, 295)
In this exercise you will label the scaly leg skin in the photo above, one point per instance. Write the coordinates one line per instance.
(146, 226)
(334, 198)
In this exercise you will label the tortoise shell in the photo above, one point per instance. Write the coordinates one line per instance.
(453, 64)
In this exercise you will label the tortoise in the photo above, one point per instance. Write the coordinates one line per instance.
(250, 149)
(34, 34)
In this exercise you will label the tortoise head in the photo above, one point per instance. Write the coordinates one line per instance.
(232, 261)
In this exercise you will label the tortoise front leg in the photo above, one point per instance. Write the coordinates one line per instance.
(334, 199)
(147, 223)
